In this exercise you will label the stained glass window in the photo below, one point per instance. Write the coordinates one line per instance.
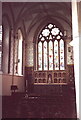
(61, 54)
(45, 56)
(50, 55)
(56, 56)
(50, 48)
(40, 55)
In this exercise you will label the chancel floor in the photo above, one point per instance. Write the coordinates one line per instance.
(53, 106)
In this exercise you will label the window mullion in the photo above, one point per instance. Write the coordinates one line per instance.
(42, 55)
(53, 55)
(48, 53)
(65, 56)
(37, 56)
(59, 53)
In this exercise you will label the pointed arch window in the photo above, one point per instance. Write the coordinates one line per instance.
(20, 52)
(50, 49)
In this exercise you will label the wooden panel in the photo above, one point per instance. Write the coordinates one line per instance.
(28, 78)
(50, 77)
(40, 77)
(47, 77)
(70, 73)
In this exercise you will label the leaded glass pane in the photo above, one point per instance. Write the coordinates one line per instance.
(50, 37)
(61, 34)
(45, 56)
(55, 31)
(45, 32)
(50, 55)
(62, 55)
(56, 56)
(40, 55)
(58, 37)
(40, 36)
(50, 26)
(42, 39)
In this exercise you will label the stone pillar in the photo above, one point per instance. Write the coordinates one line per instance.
(75, 33)
(11, 52)
(16, 55)
(0, 72)
(79, 25)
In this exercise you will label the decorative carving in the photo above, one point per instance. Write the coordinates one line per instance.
(50, 77)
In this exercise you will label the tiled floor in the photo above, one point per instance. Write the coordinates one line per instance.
(17, 106)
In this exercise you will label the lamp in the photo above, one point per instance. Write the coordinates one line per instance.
(14, 88)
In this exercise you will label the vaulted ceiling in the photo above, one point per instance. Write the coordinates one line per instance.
(29, 14)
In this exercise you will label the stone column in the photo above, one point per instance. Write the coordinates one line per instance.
(75, 33)
(0, 72)
(11, 52)
(79, 25)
